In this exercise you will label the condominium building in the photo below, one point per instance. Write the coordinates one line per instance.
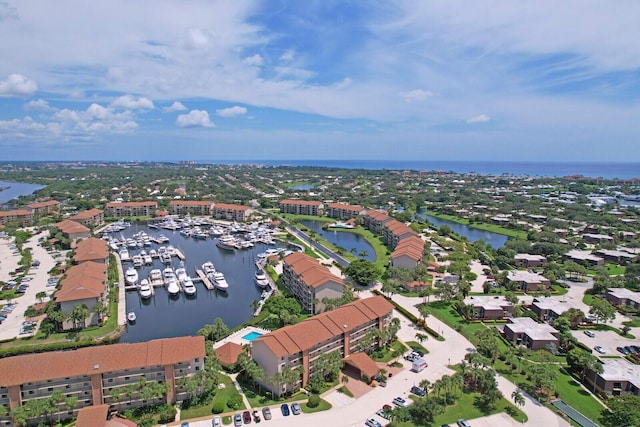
(618, 377)
(394, 231)
(489, 308)
(124, 209)
(231, 212)
(310, 282)
(99, 374)
(91, 218)
(528, 281)
(408, 253)
(73, 230)
(83, 284)
(526, 331)
(44, 207)
(191, 207)
(549, 309)
(530, 261)
(375, 220)
(19, 216)
(343, 211)
(300, 207)
(301, 344)
(623, 297)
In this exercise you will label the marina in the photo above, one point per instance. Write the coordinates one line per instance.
(179, 296)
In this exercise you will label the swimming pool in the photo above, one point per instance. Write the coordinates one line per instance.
(252, 336)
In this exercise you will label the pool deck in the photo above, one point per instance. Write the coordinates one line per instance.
(236, 337)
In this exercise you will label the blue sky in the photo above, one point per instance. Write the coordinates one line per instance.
(231, 80)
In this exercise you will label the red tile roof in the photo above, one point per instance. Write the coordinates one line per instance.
(363, 363)
(314, 330)
(300, 202)
(228, 353)
(19, 370)
(92, 416)
(86, 214)
(71, 227)
(231, 207)
(312, 272)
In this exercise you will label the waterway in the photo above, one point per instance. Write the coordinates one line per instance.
(494, 240)
(162, 316)
(351, 242)
(13, 190)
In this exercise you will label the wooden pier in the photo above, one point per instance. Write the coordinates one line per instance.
(204, 279)
(179, 254)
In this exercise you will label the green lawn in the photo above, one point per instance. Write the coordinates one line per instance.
(615, 270)
(522, 235)
(222, 394)
(323, 406)
(388, 355)
(570, 391)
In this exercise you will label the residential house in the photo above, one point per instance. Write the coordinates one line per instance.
(619, 377)
(489, 308)
(126, 209)
(230, 212)
(342, 330)
(528, 281)
(300, 207)
(310, 282)
(617, 257)
(623, 297)
(530, 261)
(549, 309)
(527, 332)
(96, 375)
(584, 257)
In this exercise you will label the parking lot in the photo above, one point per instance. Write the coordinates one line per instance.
(608, 340)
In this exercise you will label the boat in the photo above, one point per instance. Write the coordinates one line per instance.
(181, 274)
(124, 254)
(155, 277)
(208, 268)
(131, 317)
(147, 259)
(137, 261)
(131, 276)
(226, 243)
(145, 289)
(261, 279)
(188, 286)
(171, 281)
(219, 281)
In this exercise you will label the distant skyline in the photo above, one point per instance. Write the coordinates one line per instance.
(405, 80)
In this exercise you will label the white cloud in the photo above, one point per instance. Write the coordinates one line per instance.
(195, 118)
(17, 85)
(38, 105)
(480, 118)
(176, 106)
(255, 60)
(231, 111)
(128, 102)
(89, 124)
(416, 95)
(287, 56)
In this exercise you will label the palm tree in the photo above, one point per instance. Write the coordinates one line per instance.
(425, 384)
(40, 296)
(518, 399)
(425, 294)
(421, 337)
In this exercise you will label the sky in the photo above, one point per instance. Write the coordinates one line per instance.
(205, 80)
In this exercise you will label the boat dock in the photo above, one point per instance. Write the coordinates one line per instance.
(204, 279)
(179, 254)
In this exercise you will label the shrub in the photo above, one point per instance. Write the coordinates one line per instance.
(235, 402)
(167, 414)
(218, 406)
(314, 401)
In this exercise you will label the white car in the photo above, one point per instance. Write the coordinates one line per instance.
(372, 423)
(217, 421)
(400, 402)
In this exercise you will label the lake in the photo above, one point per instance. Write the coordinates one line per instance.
(344, 239)
(494, 240)
(17, 189)
(163, 317)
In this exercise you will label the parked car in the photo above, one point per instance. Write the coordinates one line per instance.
(623, 350)
(285, 409)
(266, 413)
(400, 402)
(256, 416)
(217, 421)
(372, 423)
(418, 391)
(295, 408)
(246, 417)
(599, 349)
(237, 420)
(463, 423)
(185, 424)
(589, 333)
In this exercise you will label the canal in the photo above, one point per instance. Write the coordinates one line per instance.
(351, 242)
(162, 316)
(494, 240)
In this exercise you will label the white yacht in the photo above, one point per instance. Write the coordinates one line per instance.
(181, 274)
(147, 259)
(188, 286)
(145, 289)
(131, 276)
(261, 278)
(131, 317)
(208, 268)
(137, 261)
(171, 281)
(124, 254)
(219, 281)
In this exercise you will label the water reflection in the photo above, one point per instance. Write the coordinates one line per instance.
(351, 242)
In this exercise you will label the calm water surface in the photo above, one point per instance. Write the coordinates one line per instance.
(495, 240)
(162, 316)
(17, 189)
(342, 238)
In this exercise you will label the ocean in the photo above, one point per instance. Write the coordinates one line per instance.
(542, 169)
